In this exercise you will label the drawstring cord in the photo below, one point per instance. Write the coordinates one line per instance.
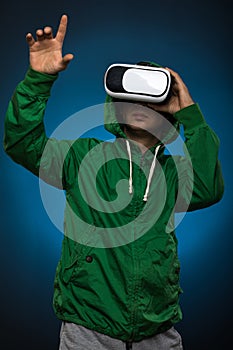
(152, 169)
(130, 168)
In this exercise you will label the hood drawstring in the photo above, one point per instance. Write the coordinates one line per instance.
(152, 169)
(130, 168)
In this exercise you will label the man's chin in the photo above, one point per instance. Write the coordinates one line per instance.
(135, 127)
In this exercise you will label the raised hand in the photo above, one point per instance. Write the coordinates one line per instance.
(180, 98)
(46, 51)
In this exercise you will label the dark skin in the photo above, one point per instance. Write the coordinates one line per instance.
(140, 122)
(46, 57)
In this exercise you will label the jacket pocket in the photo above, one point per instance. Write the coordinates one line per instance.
(73, 256)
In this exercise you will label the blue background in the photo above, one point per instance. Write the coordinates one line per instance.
(193, 38)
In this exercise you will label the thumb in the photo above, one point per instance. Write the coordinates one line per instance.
(66, 59)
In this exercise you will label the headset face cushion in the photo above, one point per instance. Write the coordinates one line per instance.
(138, 83)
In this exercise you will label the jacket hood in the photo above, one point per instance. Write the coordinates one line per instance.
(111, 116)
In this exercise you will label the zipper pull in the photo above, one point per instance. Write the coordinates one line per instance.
(129, 345)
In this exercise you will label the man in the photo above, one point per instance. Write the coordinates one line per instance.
(117, 283)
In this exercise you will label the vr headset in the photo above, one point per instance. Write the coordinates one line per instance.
(138, 83)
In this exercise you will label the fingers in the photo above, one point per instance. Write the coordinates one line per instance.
(180, 90)
(176, 75)
(30, 40)
(48, 33)
(61, 32)
(44, 34)
(177, 80)
(39, 35)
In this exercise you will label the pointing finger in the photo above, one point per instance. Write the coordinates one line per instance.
(61, 32)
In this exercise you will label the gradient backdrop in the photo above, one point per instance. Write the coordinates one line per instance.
(192, 37)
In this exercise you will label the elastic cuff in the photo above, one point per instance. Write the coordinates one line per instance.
(190, 116)
(36, 83)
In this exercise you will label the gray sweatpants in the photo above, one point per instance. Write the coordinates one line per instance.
(75, 337)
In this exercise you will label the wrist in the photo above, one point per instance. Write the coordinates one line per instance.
(188, 103)
(186, 100)
(37, 83)
(190, 117)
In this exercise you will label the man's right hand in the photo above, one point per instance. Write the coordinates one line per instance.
(46, 50)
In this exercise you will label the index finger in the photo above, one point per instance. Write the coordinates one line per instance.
(61, 32)
(175, 75)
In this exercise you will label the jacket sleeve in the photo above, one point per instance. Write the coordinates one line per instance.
(199, 172)
(25, 140)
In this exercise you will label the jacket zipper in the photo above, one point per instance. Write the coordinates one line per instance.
(136, 280)
(135, 267)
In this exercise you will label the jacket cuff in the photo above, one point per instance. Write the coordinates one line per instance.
(190, 117)
(36, 83)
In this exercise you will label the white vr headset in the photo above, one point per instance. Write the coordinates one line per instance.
(138, 83)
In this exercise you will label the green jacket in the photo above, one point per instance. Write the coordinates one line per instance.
(119, 271)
